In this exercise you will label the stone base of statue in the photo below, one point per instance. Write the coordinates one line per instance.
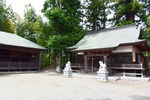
(102, 73)
(67, 70)
(102, 76)
(67, 73)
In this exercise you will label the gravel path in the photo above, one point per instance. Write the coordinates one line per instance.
(52, 86)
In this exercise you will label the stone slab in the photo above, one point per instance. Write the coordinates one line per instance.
(113, 78)
(135, 79)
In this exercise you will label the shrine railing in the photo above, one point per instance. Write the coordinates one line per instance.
(17, 65)
(127, 65)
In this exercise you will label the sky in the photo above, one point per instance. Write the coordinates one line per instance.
(19, 5)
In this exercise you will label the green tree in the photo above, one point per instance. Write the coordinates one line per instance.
(64, 17)
(125, 11)
(6, 18)
(147, 32)
(146, 35)
(29, 14)
(33, 28)
(3, 17)
(144, 12)
(96, 14)
(26, 27)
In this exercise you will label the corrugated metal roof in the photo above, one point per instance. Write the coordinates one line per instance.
(109, 38)
(15, 40)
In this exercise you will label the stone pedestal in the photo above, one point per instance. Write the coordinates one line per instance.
(102, 73)
(67, 70)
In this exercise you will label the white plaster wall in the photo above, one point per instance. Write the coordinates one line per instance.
(80, 53)
(123, 49)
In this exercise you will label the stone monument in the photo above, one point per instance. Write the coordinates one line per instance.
(67, 70)
(102, 73)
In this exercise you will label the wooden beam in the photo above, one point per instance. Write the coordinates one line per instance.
(92, 54)
(23, 49)
(96, 54)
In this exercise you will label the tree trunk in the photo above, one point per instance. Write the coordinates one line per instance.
(60, 1)
(129, 15)
(59, 58)
(104, 14)
(94, 21)
(59, 54)
(57, 3)
(93, 27)
(54, 58)
(104, 20)
(49, 57)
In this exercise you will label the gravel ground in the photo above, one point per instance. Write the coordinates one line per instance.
(53, 86)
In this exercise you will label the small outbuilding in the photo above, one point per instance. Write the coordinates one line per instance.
(17, 53)
(120, 48)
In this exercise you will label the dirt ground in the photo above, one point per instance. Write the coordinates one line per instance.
(52, 86)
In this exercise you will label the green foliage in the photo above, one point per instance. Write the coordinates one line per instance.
(57, 42)
(64, 18)
(146, 35)
(123, 22)
(6, 18)
(97, 11)
(67, 18)
(148, 21)
(30, 15)
(126, 10)
(57, 18)
(26, 28)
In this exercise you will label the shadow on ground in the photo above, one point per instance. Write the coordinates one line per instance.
(137, 97)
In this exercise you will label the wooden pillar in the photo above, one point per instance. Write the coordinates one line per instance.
(133, 54)
(105, 59)
(85, 63)
(110, 60)
(92, 64)
(39, 60)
